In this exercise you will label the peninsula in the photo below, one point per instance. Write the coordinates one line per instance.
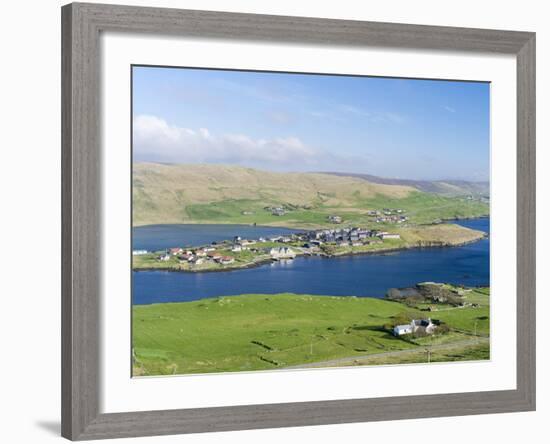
(240, 253)
(335, 215)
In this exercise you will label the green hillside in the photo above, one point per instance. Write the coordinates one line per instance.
(265, 332)
(199, 193)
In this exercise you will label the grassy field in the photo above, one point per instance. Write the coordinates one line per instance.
(423, 208)
(235, 195)
(475, 352)
(264, 332)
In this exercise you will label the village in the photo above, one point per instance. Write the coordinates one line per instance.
(239, 252)
(384, 216)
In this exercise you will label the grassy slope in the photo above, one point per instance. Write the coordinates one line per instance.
(442, 187)
(260, 332)
(219, 194)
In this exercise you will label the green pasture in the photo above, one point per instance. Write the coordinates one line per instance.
(265, 332)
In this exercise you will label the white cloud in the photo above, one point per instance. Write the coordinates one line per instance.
(156, 140)
(449, 109)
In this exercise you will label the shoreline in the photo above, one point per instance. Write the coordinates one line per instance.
(295, 228)
(320, 255)
(270, 295)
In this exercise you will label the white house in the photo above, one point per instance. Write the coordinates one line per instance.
(282, 253)
(425, 325)
(399, 330)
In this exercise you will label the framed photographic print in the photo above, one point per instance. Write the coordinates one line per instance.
(278, 221)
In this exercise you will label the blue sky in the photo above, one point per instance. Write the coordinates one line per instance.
(414, 129)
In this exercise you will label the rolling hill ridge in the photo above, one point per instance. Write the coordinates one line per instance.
(442, 187)
(205, 193)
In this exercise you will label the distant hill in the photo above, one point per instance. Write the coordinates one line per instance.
(443, 187)
(169, 193)
(221, 194)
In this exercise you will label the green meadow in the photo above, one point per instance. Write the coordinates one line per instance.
(267, 332)
(421, 208)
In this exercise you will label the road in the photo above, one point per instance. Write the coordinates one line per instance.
(353, 359)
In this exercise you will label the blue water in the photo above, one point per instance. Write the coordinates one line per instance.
(160, 237)
(365, 275)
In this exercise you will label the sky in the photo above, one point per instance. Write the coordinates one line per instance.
(397, 128)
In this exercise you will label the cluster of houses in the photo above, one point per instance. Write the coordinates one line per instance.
(386, 215)
(196, 256)
(425, 326)
(354, 236)
(347, 236)
(389, 215)
(308, 242)
(276, 211)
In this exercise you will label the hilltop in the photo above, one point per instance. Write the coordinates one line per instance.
(443, 187)
(200, 193)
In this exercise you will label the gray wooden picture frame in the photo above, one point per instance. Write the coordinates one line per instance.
(81, 174)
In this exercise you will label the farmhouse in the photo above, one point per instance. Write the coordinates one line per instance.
(416, 325)
(424, 325)
(176, 250)
(335, 219)
(400, 330)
